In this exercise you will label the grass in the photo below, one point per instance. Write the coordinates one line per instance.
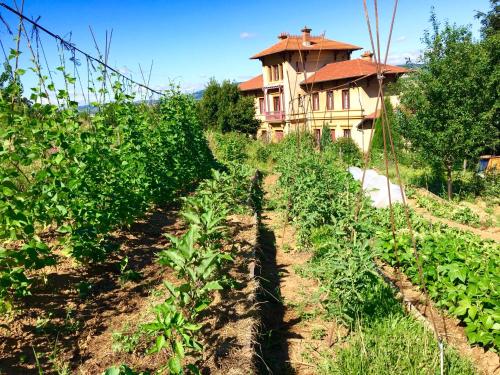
(395, 345)
(383, 339)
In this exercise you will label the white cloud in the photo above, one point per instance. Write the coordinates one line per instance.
(401, 58)
(402, 38)
(247, 35)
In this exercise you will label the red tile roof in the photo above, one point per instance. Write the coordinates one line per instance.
(294, 43)
(351, 69)
(254, 83)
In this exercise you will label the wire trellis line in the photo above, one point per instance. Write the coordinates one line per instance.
(72, 47)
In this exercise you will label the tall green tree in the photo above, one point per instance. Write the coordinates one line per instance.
(326, 138)
(223, 108)
(447, 104)
(490, 21)
(378, 138)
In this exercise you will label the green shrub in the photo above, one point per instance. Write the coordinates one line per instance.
(230, 147)
(347, 150)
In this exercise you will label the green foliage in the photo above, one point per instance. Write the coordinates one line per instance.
(396, 345)
(127, 274)
(123, 370)
(83, 177)
(436, 120)
(230, 147)
(124, 342)
(491, 186)
(198, 257)
(223, 108)
(460, 271)
(347, 275)
(463, 215)
(490, 20)
(377, 150)
(326, 138)
(346, 150)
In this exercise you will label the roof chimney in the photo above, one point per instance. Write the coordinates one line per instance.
(306, 34)
(367, 56)
(282, 36)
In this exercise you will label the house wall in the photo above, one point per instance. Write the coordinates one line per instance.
(363, 97)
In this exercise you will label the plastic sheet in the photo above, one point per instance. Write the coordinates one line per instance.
(375, 185)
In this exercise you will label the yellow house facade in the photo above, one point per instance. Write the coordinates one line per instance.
(310, 82)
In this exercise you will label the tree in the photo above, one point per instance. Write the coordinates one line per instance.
(490, 21)
(223, 108)
(378, 138)
(326, 138)
(446, 105)
(209, 104)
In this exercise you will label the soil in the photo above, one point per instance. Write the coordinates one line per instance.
(59, 324)
(449, 328)
(293, 333)
(67, 331)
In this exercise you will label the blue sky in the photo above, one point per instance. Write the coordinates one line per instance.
(190, 41)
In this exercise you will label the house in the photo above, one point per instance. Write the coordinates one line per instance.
(308, 82)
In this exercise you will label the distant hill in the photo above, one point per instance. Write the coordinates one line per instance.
(198, 94)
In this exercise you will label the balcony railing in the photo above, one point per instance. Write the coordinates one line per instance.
(275, 116)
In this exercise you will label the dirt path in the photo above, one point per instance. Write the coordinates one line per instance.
(293, 333)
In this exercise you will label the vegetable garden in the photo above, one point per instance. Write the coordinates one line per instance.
(75, 182)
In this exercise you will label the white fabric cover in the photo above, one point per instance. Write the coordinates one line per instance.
(375, 185)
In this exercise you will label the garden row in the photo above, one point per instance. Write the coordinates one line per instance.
(68, 178)
(459, 269)
(319, 196)
(199, 257)
(448, 210)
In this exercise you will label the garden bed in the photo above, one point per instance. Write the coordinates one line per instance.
(449, 328)
(71, 331)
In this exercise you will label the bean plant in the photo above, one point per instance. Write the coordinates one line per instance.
(67, 178)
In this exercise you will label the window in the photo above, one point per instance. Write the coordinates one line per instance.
(345, 99)
(332, 134)
(347, 133)
(261, 106)
(315, 99)
(276, 103)
(329, 100)
(301, 101)
(275, 73)
(280, 71)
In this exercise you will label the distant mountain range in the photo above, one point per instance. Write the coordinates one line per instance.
(198, 94)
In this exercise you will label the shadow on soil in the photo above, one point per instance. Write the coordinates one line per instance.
(56, 321)
(272, 347)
